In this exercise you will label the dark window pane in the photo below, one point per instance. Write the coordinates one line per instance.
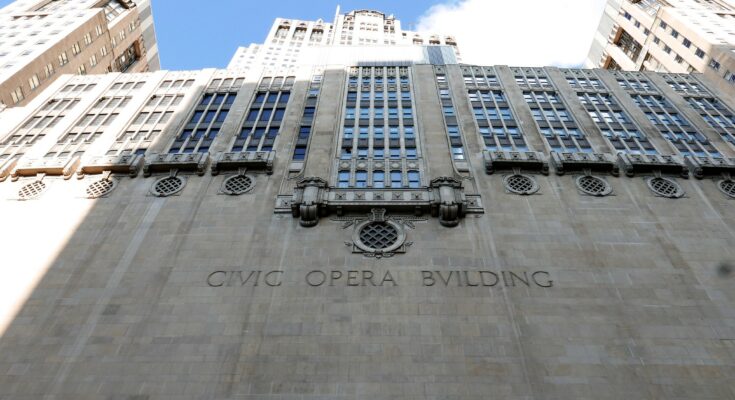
(265, 116)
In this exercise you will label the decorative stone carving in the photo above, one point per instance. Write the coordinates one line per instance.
(444, 198)
(474, 204)
(252, 160)
(510, 160)
(236, 185)
(308, 200)
(597, 162)
(377, 235)
(727, 186)
(124, 164)
(169, 185)
(6, 167)
(193, 162)
(593, 185)
(449, 202)
(704, 166)
(665, 187)
(53, 167)
(522, 184)
(646, 163)
(33, 189)
(101, 187)
(283, 204)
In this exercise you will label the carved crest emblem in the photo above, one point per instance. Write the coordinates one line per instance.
(378, 235)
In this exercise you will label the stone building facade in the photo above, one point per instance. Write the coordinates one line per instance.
(405, 230)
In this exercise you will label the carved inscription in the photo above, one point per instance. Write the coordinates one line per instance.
(369, 278)
(244, 278)
(487, 278)
(349, 278)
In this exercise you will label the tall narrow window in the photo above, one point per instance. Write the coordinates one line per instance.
(263, 120)
(379, 122)
(674, 127)
(204, 125)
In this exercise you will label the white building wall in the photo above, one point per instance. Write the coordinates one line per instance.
(288, 40)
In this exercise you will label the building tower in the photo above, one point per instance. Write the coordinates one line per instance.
(41, 40)
(292, 42)
(677, 36)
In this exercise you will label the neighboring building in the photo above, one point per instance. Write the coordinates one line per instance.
(41, 40)
(369, 232)
(668, 36)
(294, 42)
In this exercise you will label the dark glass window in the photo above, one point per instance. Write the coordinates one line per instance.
(266, 114)
(299, 153)
(197, 116)
(209, 117)
(218, 99)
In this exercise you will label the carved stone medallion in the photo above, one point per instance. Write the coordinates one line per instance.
(377, 235)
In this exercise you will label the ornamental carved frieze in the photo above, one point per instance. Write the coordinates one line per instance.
(252, 160)
(444, 199)
(129, 164)
(704, 166)
(633, 164)
(511, 160)
(183, 162)
(64, 167)
(578, 162)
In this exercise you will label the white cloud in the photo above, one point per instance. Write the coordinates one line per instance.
(518, 32)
